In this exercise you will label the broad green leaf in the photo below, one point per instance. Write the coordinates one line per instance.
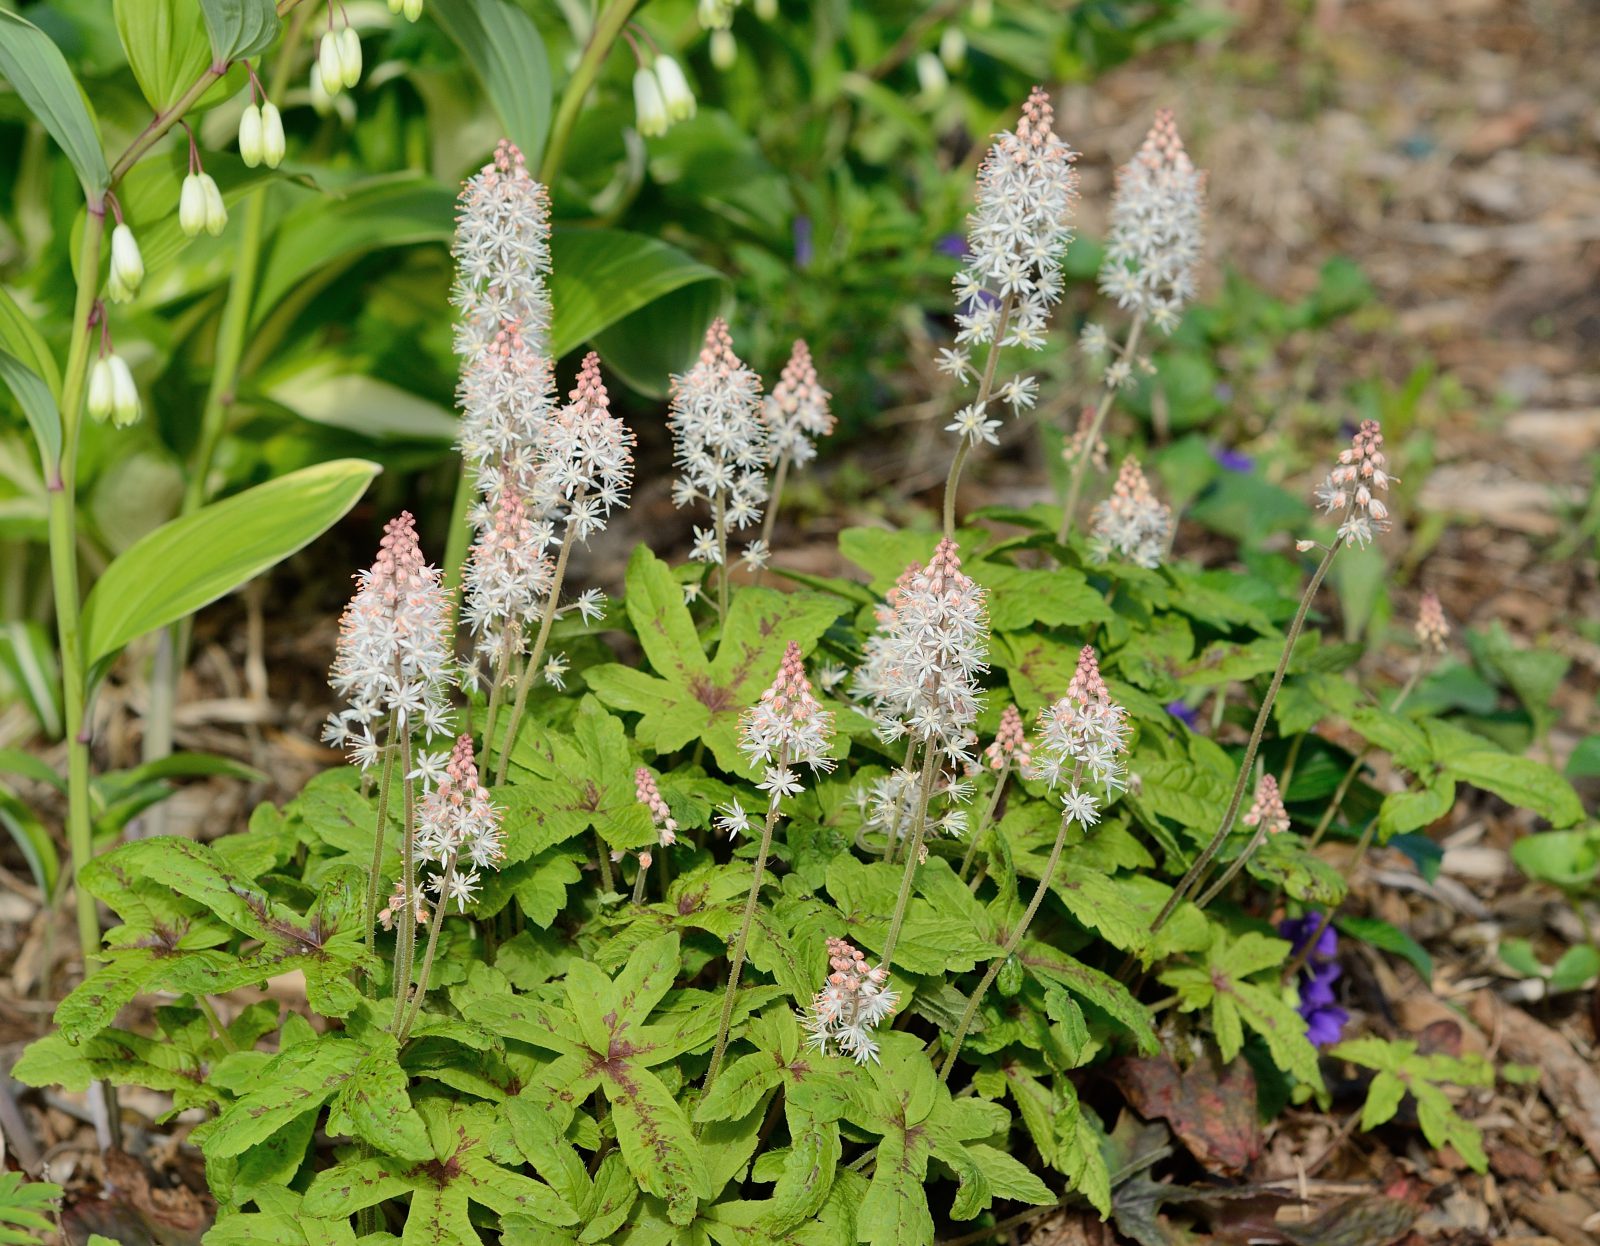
(348, 1187)
(1095, 987)
(195, 559)
(1568, 859)
(655, 1138)
(1019, 598)
(1414, 809)
(1286, 862)
(366, 405)
(292, 1083)
(739, 1088)
(1519, 781)
(39, 406)
(166, 45)
(34, 66)
(240, 28)
(1383, 1100)
(1576, 968)
(324, 234)
(895, 1211)
(95, 1002)
(642, 303)
(377, 1107)
(503, 46)
(1399, 736)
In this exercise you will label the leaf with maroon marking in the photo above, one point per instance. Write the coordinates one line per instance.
(569, 783)
(648, 976)
(527, 1019)
(346, 1188)
(375, 1106)
(655, 1138)
(292, 1083)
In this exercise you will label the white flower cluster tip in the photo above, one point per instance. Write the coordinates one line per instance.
(920, 671)
(852, 1003)
(721, 444)
(1082, 738)
(786, 728)
(394, 652)
(1157, 228)
(1132, 523)
(797, 409)
(1352, 487)
(502, 253)
(1017, 236)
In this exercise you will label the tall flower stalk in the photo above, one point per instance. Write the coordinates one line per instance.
(1082, 739)
(797, 413)
(785, 728)
(1350, 492)
(1152, 252)
(459, 835)
(1017, 236)
(1008, 751)
(1268, 817)
(722, 447)
(585, 470)
(919, 679)
(394, 669)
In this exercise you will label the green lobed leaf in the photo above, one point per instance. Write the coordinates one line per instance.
(1519, 781)
(31, 62)
(195, 559)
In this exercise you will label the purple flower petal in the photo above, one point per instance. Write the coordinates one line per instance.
(1188, 717)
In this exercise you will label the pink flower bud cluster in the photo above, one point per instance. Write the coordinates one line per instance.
(458, 828)
(852, 1003)
(1433, 633)
(394, 651)
(797, 409)
(1353, 486)
(1010, 746)
(787, 727)
(1157, 228)
(1267, 809)
(1079, 445)
(1131, 523)
(721, 444)
(649, 795)
(587, 455)
(1082, 738)
(920, 671)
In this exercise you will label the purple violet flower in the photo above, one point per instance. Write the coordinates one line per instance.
(804, 249)
(953, 245)
(1190, 718)
(1232, 460)
(1325, 1020)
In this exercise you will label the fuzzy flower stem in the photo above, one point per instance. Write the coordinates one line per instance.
(1234, 866)
(1107, 396)
(983, 822)
(1247, 763)
(405, 944)
(373, 878)
(722, 563)
(1326, 820)
(530, 671)
(742, 939)
(607, 882)
(913, 854)
(893, 838)
(434, 925)
(639, 880)
(780, 475)
(956, 464)
(1014, 942)
(509, 642)
(1298, 960)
